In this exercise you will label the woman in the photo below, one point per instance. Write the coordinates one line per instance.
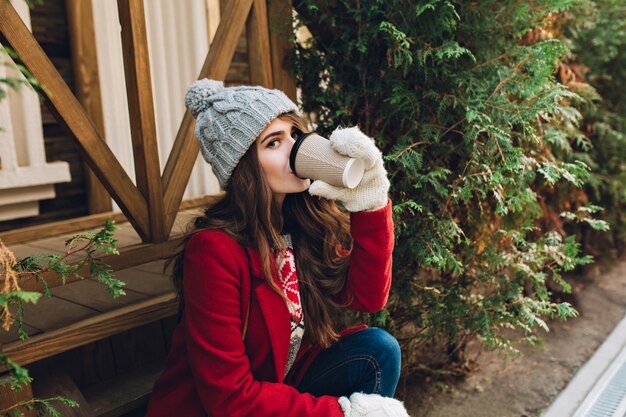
(265, 268)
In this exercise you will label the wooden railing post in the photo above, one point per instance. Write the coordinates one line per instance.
(141, 112)
(258, 39)
(281, 29)
(87, 85)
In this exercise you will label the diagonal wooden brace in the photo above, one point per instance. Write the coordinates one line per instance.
(71, 115)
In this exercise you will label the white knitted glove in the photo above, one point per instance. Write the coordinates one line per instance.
(371, 405)
(371, 193)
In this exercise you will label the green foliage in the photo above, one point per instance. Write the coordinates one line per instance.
(89, 243)
(596, 32)
(478, 133)
(13, 82)
(13, 271)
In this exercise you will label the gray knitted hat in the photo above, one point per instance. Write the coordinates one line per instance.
(229, 119)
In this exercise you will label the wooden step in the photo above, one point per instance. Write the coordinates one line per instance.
(53, 381)
(91, 329)
(125, 393)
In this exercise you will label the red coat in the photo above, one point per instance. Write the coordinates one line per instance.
(211, 370)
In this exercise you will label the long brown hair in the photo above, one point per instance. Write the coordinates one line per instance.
(319, 230)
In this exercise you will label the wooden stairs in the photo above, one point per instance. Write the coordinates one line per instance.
(102, 352)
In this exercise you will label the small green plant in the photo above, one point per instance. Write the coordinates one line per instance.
(13, 271)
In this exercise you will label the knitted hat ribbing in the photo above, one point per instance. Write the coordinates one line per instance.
(229, 119)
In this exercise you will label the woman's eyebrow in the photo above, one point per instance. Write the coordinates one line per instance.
(278, 132)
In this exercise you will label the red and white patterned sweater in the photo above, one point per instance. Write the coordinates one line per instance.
(287, 281)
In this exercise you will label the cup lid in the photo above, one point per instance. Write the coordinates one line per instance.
(353, 172)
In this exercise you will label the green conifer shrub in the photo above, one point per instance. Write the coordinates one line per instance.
(596, 33)
(478, 135)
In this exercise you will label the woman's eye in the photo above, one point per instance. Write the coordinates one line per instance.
(273, 143)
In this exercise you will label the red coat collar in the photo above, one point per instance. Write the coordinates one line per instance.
(255, 263)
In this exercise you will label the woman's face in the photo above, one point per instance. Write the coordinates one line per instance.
(273, 148)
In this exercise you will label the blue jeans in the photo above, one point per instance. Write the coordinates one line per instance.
(365, 361)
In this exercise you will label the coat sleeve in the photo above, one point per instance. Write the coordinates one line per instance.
(369, 273)
(213, 267)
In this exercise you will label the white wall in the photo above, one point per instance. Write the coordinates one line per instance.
(25, 176)
(178, 44)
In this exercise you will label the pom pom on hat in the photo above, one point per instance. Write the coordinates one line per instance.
(198, 93)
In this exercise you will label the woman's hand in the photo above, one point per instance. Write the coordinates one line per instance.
(371, 193)
(371, 405)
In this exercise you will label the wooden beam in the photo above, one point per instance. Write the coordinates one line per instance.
(79, 224)
(281, 30)
(141, 112)
(259, 54)
(70, 114)
(178, 168)
(53, 381)
(87, 87)
(41, 231)
(90, 330)
(140, 254)
(185, 149)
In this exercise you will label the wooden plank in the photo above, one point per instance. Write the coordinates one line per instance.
(89, 330)
(132, 256)
(53, 381)
(51, 313)
(138, 347)
(178, 167)
(125, 393)
(88, 365)
(87, 88)
(145, 282)
(72, 116)
(281, 30)
(92, 221)
(94, 295)
(54, 27)
(12, 335)
(259, 52)
(141, 112)
(185, 149)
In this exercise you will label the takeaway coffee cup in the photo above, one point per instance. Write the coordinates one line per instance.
(313, 157)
